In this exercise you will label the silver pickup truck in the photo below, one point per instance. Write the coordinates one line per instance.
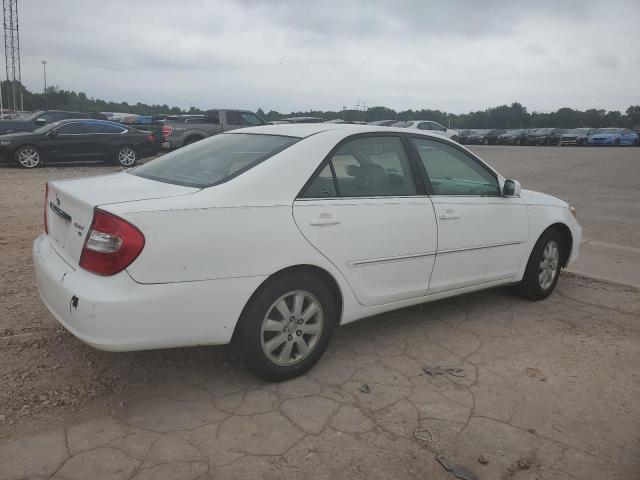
(182, 131)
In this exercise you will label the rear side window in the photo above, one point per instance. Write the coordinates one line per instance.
(365, 167)
(452, 172)
(97, 127)
(73, 128)
(246, 119)
(214, 160)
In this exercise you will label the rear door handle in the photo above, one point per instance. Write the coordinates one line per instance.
(324, 219)
(448, 216)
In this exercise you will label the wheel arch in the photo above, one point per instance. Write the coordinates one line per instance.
(567, 240)
(314, 270)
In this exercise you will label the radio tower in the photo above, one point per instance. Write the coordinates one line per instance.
(12, 50)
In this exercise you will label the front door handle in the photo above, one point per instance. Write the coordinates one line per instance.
(324, 219)
(449, 215)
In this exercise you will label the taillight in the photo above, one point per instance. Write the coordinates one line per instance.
(166, 130)
(111, 244)
(46, 196)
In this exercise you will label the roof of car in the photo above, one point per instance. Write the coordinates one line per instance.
(303, 130)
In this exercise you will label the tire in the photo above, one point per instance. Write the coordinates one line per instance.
(191, 140)
(276, 355)
(616, 143)
(485, 141)
(518, 142)
(28, 156)
(536, 284)
(455, 139)
(127, 156)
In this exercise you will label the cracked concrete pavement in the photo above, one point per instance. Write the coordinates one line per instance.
(549, 391)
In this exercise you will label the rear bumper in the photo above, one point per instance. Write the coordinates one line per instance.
(166, 145)
(117, 314)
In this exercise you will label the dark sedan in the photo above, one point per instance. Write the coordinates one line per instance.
(545, 136)
(484, 137)
(77, 141)
(578, 137)
(514, 137)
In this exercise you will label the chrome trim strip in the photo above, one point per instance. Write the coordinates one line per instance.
(364, 263)
(469, 249)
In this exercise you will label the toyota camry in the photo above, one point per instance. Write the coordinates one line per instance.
(273, 236)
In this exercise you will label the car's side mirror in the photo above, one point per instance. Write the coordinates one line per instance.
(41, 121)
(511, 188)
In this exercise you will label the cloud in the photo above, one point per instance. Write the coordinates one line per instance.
(292, 55)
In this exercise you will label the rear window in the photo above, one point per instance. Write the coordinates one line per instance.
(214, 160)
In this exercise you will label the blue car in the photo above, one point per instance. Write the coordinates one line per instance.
(613, 137)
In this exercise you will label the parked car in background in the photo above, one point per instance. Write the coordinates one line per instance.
(383, 123)
(577, 137)
(545, 136)
(184, 131)
(77, 140)
(514, 137)
(484, 137)
(463, 135)
(29, 122)
(172, 253)
(614, 137)
(430, 126)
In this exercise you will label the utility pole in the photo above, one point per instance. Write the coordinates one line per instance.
(12, 48)
(361, 106)
(44, 73)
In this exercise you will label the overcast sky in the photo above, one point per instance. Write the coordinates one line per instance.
(289, 55)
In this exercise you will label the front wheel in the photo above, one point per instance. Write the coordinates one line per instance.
(28, 157)
(127, 157)
(287, 326)
(543, 267)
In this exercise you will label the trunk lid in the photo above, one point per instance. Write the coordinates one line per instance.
(70, 205)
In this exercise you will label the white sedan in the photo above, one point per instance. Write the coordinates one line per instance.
(272, 236)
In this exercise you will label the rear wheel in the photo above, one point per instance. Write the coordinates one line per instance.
(287, 326)
(127, 156)
(518, 142)
(543, 267)
(191, 140)
(28, 157)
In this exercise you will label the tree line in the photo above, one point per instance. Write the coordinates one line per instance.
(504, 116)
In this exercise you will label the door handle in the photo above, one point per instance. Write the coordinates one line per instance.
(324, 219)
(448, 216)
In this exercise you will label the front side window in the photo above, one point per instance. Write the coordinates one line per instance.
(452, 172)
(365, 167)
(73, 128)
(214, 160)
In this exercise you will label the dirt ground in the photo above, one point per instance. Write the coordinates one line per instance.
(550, 389)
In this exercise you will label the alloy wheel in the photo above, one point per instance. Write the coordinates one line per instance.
(549, 265)
(126, 157)
(29, 157)
(291, 328)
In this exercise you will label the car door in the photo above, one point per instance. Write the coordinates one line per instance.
(481, 234)
(364, 211)
(103, 139)
(67, 142)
